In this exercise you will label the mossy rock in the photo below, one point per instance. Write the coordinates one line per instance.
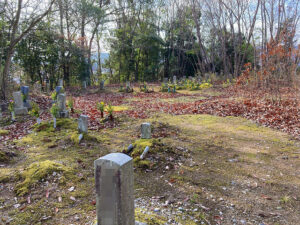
(143, 164)
(155, 146)
(4, 132)
(65, 123)
(140, 145)
(38, 171)
(74, 138)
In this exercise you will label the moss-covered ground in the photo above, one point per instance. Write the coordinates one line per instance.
(220, 170)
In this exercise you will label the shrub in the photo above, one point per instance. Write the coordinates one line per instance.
(110, 111)
(35, 111)
(11, 105)
(54, 110)
(101, 107)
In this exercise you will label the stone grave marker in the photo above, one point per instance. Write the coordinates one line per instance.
(165, 80)
(47, 87)
(114, 190)
(60, 82)
(174, 80)
(26, 101)
(19, 108)
(61, 104)
(146, 131)
(84, 84)
(102, 85)
(83, 124)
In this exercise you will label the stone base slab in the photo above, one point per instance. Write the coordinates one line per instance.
(21, 111)
(63, 114)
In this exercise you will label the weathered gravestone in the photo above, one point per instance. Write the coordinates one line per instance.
(47, 87)
(83, 124)
(19, 108)
(60, 82)
(114, 190)
(174, 80)
(26, 100)
(102, 85)
(84, 84)
(146, 131)
(165, 80)
(61, 104)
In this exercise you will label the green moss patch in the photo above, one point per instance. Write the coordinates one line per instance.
(63, 123)
(120, 108)
(140, 145)
(4, 132)
(150, 219)
(38, 171)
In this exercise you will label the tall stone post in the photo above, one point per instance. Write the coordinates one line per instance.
(60, 82)
(25, 92)
(83, 124)
(114, 190)
(174, 80)
(61, 104)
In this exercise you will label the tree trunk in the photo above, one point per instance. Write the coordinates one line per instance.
(5, 73)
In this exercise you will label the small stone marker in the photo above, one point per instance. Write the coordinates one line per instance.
(146, 131)
(102, 85)
(83, 124)
(146, 150)
(60, 82)
(61, 104)
(174, 80)
(114, 189)
(47, 87)
(165, 80)
(84, 84)
(19, 108)
(25, 92)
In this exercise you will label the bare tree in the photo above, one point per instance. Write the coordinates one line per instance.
(22, 17)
